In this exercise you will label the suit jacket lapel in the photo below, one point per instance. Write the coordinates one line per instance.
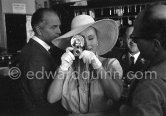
(42, 49)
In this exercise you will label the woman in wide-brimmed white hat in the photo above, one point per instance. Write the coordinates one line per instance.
(88, 84)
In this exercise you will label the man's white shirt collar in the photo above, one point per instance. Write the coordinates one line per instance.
(135, 56)
(41, 42)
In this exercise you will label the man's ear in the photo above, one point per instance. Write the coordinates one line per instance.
(156, 44)
(38, 30)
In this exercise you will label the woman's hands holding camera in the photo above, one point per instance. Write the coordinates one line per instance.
(87, 57)
(90, 57)
(67, 59)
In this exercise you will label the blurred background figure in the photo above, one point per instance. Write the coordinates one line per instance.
(131, 61)
(148, 96)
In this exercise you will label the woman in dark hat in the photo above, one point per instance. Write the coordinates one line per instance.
(86, 83)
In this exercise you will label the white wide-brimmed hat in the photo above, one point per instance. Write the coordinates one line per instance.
(106, 29)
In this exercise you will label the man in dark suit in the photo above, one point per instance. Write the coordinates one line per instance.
(131, 61)
(38, 66)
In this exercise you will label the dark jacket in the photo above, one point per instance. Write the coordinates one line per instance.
(123, 57)
(148, 96)
(140, 65)
(37, 72)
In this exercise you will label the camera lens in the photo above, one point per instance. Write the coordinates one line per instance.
(77, 52)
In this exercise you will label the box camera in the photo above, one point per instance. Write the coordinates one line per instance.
(77, 42)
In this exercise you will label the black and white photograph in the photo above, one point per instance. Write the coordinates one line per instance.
(83, 57)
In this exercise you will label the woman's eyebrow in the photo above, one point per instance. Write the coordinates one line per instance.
(90, 35)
